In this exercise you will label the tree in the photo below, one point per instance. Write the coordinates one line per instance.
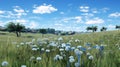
(51, 31)
(93, 28)
(17, 28)
(88, 28)
(103, 29)
(43, 31)
(117, 27)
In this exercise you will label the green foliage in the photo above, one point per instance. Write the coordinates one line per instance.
(117, 27)
(93, 28)
(17, 28)
(43, 31)
(103, 29)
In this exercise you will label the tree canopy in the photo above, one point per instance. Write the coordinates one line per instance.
(15, 27)
(93, 28)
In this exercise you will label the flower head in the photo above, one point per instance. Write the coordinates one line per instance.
(47, 50)
(90, 57)
(4, 63)
(60, 39)
(77, 64)
(32, 58)
(78, 52)
(38, 58)
(71, 60)
(23, 66)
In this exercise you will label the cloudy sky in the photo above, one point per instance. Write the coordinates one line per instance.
(65, 15)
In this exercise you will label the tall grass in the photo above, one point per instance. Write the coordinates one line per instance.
(16, 54)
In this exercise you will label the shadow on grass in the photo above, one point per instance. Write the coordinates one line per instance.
(3, 33)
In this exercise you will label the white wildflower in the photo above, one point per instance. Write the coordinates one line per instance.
(34, 49)
(61, 49)
(73, 48)
(23, 66)
(77, 40)
(4, 63)
(78, 52)
(17, 46)
(47, 50)
(21, 43)
(88, 54)
(89, 48)
(79, 47)
(60, 39)
(33, 40)
(97, 47)
(71, 57)
(90, 57)
(42, 49)
(71, 60)
(60, 57)
(63, 45)
(67, 48)
(32, 58)
(77, 64)
(38, 58)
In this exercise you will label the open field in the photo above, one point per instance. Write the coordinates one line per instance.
(100, 49)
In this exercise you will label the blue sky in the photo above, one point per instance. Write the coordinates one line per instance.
(67, 15)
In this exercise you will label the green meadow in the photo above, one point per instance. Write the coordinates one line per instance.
(18, 52)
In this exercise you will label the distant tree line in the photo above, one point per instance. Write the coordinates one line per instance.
(17, 28)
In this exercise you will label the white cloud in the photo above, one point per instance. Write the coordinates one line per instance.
(61, 12)
(116, 14)
(94, 11)
(20, 12)
(78, 19)
(2, 12)
(87, 14)
(33, 25)
(111, 27)
(84, 8)
(42, 9)
(2, 23)
(105, 9)
(21, 21)
(95, 21)
(58, 24)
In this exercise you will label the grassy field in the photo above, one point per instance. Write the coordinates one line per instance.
(101, 49)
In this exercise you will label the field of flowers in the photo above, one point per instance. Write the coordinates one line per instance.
(79, 50)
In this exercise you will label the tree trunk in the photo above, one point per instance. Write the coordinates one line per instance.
(17, 34)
